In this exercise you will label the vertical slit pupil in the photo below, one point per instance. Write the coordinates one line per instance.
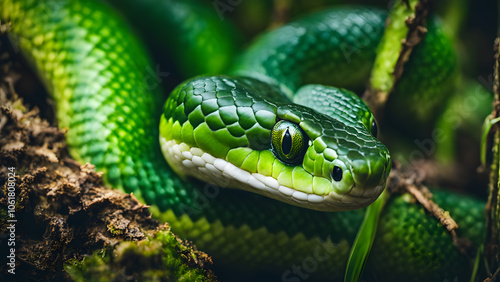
(286, 145)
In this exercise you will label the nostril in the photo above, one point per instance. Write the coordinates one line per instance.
(370, 171)
(379, 169)
(337, 173)
(388, 166)
(360, 171)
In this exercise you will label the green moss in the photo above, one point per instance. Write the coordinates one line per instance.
(162, 257)
(113, 230)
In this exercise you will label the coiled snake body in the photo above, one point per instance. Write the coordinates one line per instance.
(242, 131)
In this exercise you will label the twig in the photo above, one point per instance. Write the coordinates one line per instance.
(376, 96)
(4, 27)
(416, 33)
(411, 182)
(492, 226)
(424, 197)
(496, 77)
(494, 277)
(281, 13)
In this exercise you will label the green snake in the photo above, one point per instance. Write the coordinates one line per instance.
(269, 125)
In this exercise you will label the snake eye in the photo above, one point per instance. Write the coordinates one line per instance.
(288, 142)
(337, 173)
(374, 129)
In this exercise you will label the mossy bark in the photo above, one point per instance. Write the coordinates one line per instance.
(63, 223)
(492, 250)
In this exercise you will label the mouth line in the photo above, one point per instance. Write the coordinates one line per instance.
(208, 168)
(377, 190)
(348, 193)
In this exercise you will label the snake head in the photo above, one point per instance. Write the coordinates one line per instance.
(348, 165)
(233, 133)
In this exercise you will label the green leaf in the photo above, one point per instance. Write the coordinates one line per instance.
(476, 263)
(488, 123)
(364, 239)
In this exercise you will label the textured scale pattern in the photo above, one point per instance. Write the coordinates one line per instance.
(93, 66)
(404, 227)
(433, 66)
(106, 91)
(231, 121)
(321, 49)
(222, 110)
(334, 47)
(330, 101)
(203, 33)
(408, 238)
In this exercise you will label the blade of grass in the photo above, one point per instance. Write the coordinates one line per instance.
(364, 239)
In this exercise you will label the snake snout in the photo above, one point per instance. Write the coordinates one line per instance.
(370, 171)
